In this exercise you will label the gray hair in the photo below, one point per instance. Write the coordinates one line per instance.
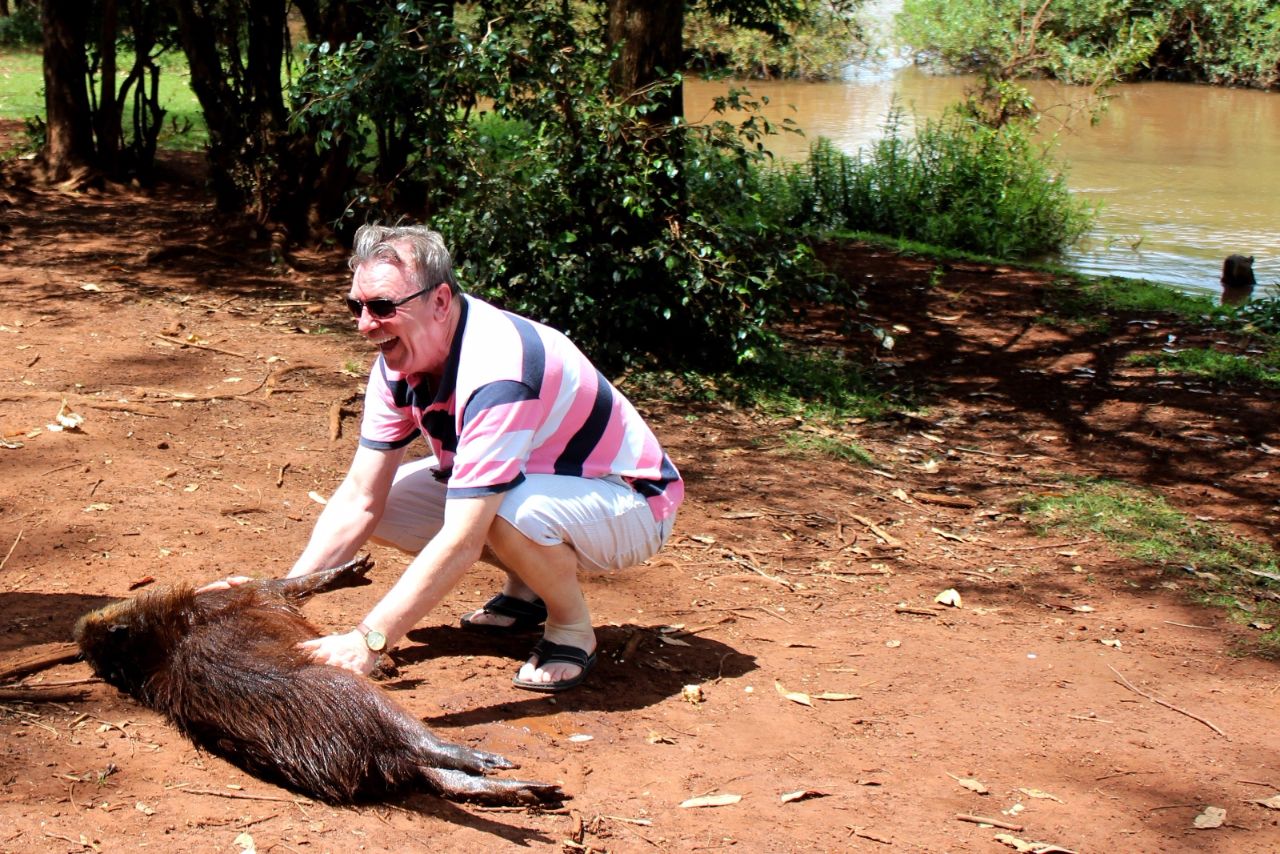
(416, 250)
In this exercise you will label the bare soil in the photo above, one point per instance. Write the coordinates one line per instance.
(1098, 705)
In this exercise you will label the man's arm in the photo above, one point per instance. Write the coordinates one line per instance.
(353, 511)
(425, 582)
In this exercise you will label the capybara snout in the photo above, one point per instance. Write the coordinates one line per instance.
(225, 668)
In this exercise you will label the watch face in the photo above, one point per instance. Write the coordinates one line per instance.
(376, 641)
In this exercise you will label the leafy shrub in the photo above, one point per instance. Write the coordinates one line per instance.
(955, 183)
(22, 27)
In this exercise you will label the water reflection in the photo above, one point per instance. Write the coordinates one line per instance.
(1185, 175)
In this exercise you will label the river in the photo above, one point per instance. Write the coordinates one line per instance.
(1184, 175)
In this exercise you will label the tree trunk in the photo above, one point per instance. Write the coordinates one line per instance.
(69, 136)
(650, 32)
(107, 117)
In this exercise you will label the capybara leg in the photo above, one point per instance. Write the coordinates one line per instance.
(443, 754)
(350, 574)
(493, 791)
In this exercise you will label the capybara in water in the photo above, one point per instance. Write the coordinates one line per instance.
(1237, 271)
(224, 666)
(1237, 279)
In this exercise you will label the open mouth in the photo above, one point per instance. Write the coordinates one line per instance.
(384, 344)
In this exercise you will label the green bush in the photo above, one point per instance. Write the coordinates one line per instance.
(22, 27)
(955, 183)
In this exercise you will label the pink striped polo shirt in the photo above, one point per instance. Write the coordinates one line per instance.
(517, 398)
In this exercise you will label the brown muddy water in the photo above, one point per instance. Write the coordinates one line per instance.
(1183, 175)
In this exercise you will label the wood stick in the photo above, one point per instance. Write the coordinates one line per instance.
(182, 343)
(1037, 547)
(62, 653)
(886, 538)
(16, 540)
(994, 822)
(1126, 683)
(39, 694)
(182, 787)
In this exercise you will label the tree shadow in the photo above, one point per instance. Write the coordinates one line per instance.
(636, 668)
(32, 619)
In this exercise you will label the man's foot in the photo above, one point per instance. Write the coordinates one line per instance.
(554, 667)
(504, 615)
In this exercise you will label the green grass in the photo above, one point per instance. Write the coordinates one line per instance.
(22, 96)
(21, 85)
(1142, 525)
(1227, 368)
(820, 391)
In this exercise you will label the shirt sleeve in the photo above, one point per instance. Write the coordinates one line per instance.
(385, 425)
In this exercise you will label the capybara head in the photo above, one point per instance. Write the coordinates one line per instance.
(127, 642)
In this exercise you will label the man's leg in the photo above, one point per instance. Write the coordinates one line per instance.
(551, 573)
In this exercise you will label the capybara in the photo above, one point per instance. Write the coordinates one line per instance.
(224, 666)
(1237, 279)
(1237, 272)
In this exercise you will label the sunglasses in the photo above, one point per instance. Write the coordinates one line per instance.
(382, 306)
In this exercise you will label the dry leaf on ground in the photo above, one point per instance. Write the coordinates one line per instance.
(949, 597)
(1025, 847)
(1271, 803)
(711, 801)
(1037, 793)
(794, 696)
(970, 784)
(801, 795)
(1211, 817)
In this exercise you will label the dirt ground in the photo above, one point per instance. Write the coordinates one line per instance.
(1096, 706)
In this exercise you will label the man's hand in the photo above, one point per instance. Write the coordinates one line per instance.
(223, 583)
(347, 651)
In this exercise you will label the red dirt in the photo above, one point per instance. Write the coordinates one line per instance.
(208, 377)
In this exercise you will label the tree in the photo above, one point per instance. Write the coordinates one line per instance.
(68, 145)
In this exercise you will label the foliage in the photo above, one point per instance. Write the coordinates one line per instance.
(821, 40)
(1089, 41)
(1261, 315)
(21, 28)
(1143, 525)
(1081, 299)
(1227, 368)
(955, 183)
(561, 200)
(822, 386)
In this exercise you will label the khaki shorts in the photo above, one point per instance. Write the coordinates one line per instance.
(606, 522)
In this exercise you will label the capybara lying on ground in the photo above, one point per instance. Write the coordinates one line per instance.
(224, 666)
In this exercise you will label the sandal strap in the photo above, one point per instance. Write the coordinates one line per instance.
(548, 652)
(503, 605)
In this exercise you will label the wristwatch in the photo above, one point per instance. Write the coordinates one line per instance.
(375, 640)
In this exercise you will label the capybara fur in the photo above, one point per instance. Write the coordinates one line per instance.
(225, 668)
(1237, 272)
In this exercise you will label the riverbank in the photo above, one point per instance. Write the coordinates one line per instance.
(1071, 694)
(1174, 167)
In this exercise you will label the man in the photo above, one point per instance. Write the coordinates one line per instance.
(537, 461)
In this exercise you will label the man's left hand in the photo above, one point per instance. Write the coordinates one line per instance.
(347, 651)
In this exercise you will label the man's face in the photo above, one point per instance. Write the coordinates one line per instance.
(415, 339)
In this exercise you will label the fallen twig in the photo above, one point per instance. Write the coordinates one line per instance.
(1037, 547)
(903, 609)
(1126, 683)
(16, 540)
(739, 559)
(62, 653)
(246, 796)
(994, 822)
(1187, 625)
(39, 693)
(181, 343)
(886, 538)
